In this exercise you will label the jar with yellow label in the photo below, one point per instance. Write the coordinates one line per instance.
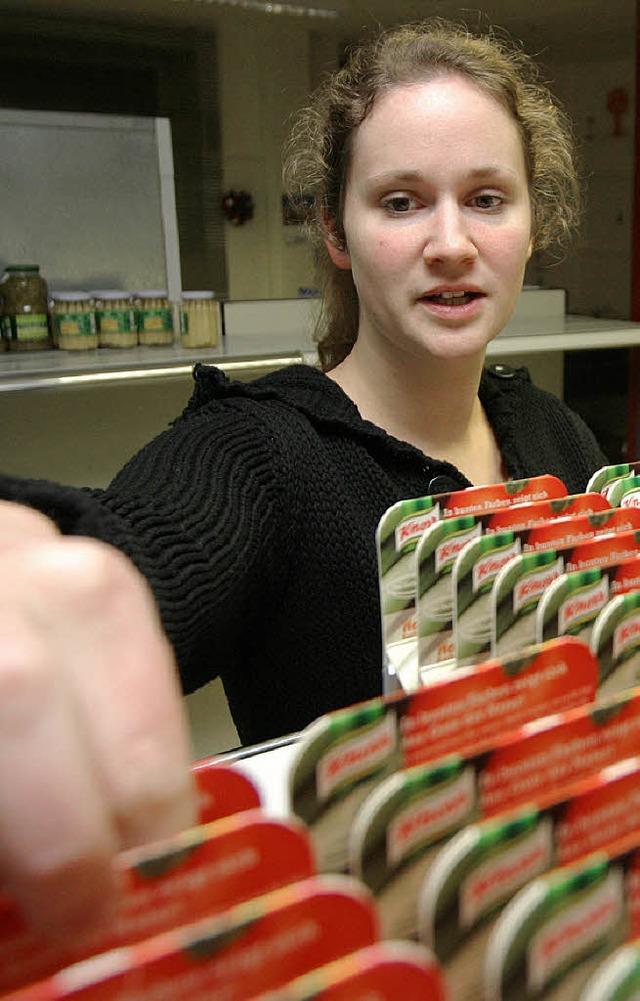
(74, 321)
(154, 316)
(199, 320)
(115, 319)
(24, 308)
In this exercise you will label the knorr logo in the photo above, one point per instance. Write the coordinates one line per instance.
(356, 758)
(413, 528)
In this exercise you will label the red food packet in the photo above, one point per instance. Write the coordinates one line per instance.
(343, 755)
(553, 935)
(386, 971)
(196, 874)
(252, 948)
(404, 821)
(398, 533)
(222, 790)
(481, 868)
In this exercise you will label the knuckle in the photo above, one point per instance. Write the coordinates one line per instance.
(95, 575)
(26, 674)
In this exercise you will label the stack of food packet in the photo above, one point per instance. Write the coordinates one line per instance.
(473, 834)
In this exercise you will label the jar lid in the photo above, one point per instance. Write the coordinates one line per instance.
(158, 293)
(22, 267)
(198, 295)
(110, 293)
(70, 296)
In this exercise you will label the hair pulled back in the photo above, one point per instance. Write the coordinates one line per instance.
(318, 154)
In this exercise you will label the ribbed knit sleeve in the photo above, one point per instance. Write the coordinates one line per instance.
(200, 511)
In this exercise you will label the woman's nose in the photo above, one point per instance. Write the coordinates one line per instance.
(448, 237)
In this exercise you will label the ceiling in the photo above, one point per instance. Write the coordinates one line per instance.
(585, 24)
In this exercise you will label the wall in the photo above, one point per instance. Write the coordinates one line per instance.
(71, 65)
(265, 67)
(597, 270)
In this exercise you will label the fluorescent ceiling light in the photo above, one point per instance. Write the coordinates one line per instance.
(268, 7)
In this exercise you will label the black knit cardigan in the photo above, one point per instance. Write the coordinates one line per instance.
(253, 518)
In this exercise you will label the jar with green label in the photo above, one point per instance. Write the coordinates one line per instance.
(115, 319)
(199, 320)
(24, 308)
(74, 321)
(154, 314)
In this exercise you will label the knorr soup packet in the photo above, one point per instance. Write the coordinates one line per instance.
(480, 869)
(475, 571)
(254, 947)
(193, 875)
(617, 978)
(397, 535)
(407, 818)
(558, 548)
(436, 555)
(555, 932)
(386, 971)
(571, 604)
(615, 640)
(343, 755)
(604, 478)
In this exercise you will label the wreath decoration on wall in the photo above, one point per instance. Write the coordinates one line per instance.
(237, 206)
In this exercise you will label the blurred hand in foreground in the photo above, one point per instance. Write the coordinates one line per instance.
(94, 748)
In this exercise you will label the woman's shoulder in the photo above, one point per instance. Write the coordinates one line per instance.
(298, 388)
(512, 388)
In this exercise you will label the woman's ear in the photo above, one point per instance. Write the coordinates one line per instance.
(335, 246)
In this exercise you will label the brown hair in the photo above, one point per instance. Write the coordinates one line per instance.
(318, 153)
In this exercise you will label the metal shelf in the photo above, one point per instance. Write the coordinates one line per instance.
(253, 354)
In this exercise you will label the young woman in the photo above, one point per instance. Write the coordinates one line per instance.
(437, 163)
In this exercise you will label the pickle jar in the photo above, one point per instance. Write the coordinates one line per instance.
(199, 320)
(115, 319)
(24, 306)
(154, 317)
(73, 321)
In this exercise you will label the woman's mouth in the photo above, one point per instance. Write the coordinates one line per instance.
(461, 298)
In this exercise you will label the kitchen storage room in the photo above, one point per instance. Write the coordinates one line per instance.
(389, 673)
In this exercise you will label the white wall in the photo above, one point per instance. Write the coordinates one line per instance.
(265, 76)
(597, 269)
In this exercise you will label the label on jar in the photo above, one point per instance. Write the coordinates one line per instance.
(26, 327)
(184, 322)
(72, 324)
(115, 321)
(155, 321)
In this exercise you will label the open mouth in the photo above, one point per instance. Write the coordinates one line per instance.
(452, 298)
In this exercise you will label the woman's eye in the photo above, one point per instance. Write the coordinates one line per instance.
(488, 200)
(399, 203)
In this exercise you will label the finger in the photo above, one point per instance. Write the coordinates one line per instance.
(20, 525)
(56, 838)
(123, 677)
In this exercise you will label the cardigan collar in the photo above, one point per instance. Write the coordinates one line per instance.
(309, 391)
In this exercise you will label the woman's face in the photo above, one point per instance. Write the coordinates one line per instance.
(437, 220)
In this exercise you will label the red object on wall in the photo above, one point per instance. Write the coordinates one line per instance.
(617, 104)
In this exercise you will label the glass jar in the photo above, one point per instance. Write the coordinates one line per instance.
(24, 307)
(73, 321)
(199, 320)
(154, 317)
(115, 319)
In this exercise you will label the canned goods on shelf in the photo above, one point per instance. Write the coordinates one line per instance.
(115, 318)
(24, 308)
(73, 321)
(199, 320)
(154, 317)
